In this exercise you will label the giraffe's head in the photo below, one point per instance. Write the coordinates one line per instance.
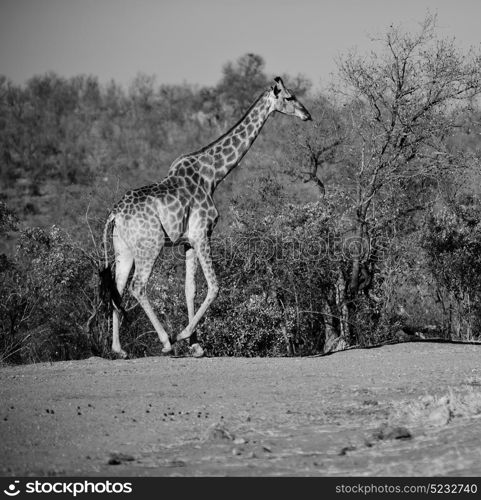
(284, 101)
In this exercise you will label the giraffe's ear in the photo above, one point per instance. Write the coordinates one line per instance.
(278, 87)
(279, 83)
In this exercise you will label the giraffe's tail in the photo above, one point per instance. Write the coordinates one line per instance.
(109, 221)
(108, 291)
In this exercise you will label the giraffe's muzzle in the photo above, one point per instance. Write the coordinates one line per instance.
(307, 117)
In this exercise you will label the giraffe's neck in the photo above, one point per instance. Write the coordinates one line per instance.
(216, 160)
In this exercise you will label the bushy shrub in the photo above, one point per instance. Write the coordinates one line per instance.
(48, 296)
(452, 241)
(276, 276)
(282, 292)
(249, 327)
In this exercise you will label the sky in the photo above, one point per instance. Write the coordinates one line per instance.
(190, 40)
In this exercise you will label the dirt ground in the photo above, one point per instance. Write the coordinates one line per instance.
(402, 410)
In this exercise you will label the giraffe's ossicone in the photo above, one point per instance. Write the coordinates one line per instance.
(180, 209)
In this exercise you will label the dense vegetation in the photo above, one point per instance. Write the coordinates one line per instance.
(361, 228)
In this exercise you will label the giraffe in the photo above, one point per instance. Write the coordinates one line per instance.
(180, 210)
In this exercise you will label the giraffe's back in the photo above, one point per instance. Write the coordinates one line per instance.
(157, 209)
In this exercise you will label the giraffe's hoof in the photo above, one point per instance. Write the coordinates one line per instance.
(167, 349)
(120, 354)
(196, 351)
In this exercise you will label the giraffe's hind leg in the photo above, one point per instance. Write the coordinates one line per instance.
(123, 264)
(138, 288)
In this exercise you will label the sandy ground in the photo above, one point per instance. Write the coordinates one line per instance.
(402, 410)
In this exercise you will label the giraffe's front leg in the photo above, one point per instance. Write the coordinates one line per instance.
(191, 262)
(203, 253)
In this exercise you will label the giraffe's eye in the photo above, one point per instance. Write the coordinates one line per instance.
(290, 98)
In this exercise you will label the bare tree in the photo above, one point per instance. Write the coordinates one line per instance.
(313, 148)
(401, 105)
(380, 140)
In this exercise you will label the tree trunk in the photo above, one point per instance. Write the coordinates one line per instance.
(357, 250)
(332, 341)
(342, 307)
